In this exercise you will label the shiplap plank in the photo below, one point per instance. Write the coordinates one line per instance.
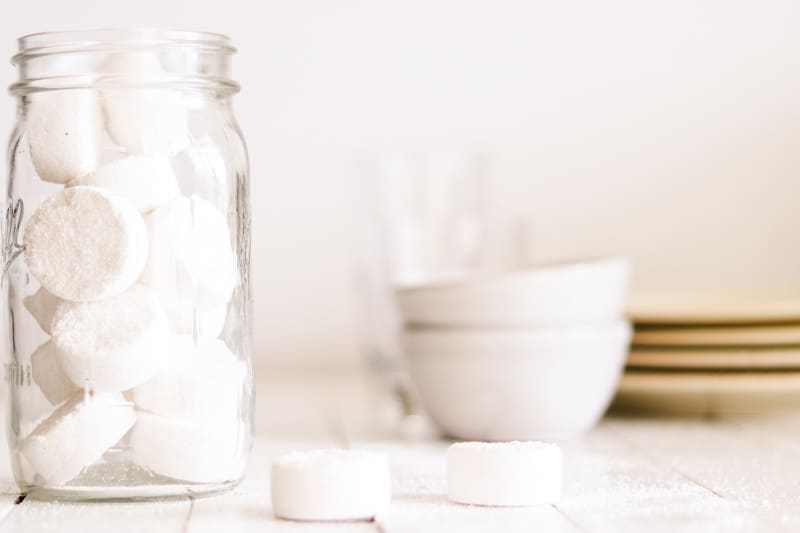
(420, 501)
(731, 475)
(612, 486)
(32, 516)
(433, 513)
(247, 508)
(760, 475)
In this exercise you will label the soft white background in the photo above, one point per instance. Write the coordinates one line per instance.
(668, 130)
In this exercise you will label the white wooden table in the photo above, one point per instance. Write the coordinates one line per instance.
(628, 474)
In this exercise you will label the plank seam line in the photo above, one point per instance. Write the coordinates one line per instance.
(570, 520)
(379, 527)
(5, 513)
(659, 461)
(189, 513)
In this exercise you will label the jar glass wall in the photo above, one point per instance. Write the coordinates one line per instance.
(126, 267)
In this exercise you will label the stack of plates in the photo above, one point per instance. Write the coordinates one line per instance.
(714, 355)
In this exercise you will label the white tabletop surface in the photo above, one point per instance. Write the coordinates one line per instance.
(628, 474)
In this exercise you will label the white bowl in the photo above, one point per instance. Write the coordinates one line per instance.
(584, 292)
(517, 384)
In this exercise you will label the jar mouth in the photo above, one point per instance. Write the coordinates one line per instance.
(35, 48)
(58, 42)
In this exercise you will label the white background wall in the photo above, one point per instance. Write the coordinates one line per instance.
(666, 130)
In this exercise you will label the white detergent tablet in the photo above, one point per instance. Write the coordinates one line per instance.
(47, 374)
(330, 484)
(196, 450)
(206, 323)
(76, 435)
(145, 120)
(42, 306)
(185, 318)
(504, 473)
(65, 132)
(85, 244)
(202, 380)
(115, 344)
(204, 169)
(191, 262)
(146, 181)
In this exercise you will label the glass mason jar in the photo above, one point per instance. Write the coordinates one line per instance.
(126, 267)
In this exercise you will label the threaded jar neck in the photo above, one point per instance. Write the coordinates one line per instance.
(124, 58)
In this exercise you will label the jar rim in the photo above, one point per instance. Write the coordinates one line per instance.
(109, 40)
(54, 42)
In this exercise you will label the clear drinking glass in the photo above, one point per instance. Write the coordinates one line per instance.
(423, 216)
(126, 267)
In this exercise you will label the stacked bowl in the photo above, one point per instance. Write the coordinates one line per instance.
(527, 354)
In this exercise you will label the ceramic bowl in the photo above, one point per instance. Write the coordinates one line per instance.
(517, 384)
(565, 294)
